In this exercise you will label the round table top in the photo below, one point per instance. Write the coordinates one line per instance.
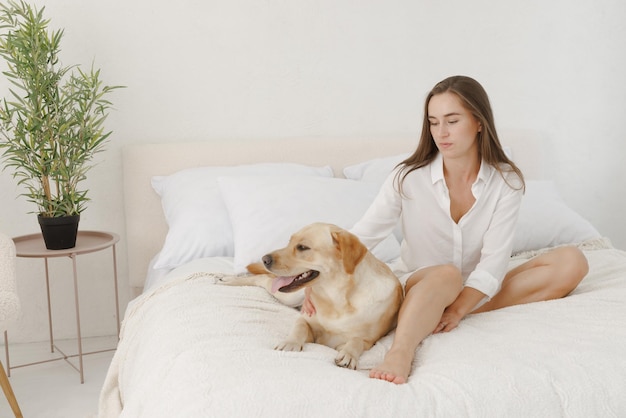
(86, 242)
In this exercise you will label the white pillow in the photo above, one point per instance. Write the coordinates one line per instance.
(198, 221)
(266, 211)
(545, 220)
(375, 170)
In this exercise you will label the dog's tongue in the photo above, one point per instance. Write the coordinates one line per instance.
(281, 281)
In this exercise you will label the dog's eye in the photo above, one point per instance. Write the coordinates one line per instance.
(301, 247)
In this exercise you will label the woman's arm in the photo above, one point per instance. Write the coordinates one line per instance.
(380, 219)
(497, 244)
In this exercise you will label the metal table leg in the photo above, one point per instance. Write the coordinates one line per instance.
(49, 306)
(80, 340)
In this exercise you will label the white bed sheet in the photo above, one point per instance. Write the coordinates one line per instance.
(192, 348)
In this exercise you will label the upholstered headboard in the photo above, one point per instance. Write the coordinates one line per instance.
(145, 224)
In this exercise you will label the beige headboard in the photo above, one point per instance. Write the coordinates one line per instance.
(146, 227)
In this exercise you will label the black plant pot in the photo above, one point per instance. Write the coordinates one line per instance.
(59, 233)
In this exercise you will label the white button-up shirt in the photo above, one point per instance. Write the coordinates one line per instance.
(479, 245)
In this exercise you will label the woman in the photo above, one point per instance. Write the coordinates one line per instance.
(457, 198)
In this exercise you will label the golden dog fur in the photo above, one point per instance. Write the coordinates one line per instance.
(356, 296)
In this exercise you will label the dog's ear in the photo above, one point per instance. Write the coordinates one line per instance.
(351, 248)
(256, 268)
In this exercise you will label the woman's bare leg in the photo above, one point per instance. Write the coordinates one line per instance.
(552, 275)
(427, 293)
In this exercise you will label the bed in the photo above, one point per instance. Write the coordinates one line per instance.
(190, 347)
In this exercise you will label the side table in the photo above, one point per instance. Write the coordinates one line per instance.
(32, 246)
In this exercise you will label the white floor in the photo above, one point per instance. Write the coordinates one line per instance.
(53, 389)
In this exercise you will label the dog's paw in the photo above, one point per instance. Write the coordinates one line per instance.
(233, 280)
(346, 360)
(224, 279)
(289, 346)
(217, 277)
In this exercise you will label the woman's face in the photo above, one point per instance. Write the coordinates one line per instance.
(452, 126)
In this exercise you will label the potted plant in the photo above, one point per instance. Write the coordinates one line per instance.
(51, 126)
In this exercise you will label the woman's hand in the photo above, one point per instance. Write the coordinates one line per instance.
(307, 306)
(449, 320)
(453, 314)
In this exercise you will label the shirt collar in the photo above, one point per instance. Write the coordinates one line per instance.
(484, 172)
(436, 170)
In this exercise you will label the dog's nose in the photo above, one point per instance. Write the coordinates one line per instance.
(267, 260)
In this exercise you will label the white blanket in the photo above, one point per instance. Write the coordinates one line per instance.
(191, 348)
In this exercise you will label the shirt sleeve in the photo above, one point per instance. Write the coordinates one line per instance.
(497, 245)
(380, 219)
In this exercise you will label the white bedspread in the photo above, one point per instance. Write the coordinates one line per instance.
(191, 348)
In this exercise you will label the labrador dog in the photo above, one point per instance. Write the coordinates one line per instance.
(356, 296)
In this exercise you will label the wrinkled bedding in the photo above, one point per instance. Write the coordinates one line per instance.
(192, 348)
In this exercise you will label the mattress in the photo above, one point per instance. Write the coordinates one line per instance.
(190, 347)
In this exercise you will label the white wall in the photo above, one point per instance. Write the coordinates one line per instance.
(201, 70)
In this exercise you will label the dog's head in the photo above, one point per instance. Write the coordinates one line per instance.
(317, 251)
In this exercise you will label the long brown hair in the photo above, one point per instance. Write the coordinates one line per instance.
(474, 98)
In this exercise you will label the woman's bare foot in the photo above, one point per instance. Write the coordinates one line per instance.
(395, 368)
